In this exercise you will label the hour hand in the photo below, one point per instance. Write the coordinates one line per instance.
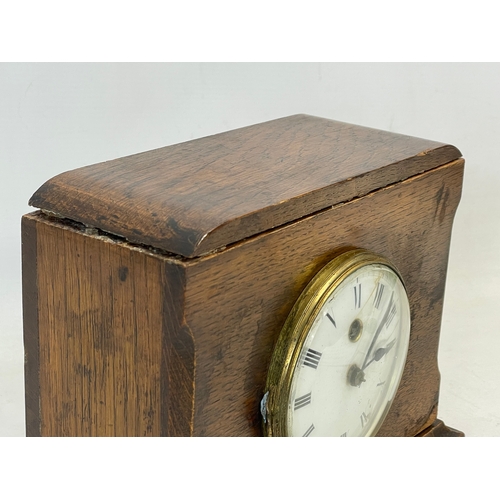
(381, 352)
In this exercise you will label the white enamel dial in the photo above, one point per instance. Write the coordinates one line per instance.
(349, 361)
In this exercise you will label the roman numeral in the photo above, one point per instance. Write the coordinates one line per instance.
(357, 296)
(331, 319)
(391, 315)
(364, 419)
(343, 435)
(308, 431)
(378, 295)
(312, 358)
(302, 401)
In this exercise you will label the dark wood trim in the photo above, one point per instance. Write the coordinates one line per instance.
(178, 357)
(440, 429)
(30, 320)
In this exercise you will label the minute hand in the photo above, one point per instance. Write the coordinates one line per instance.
(377, 333)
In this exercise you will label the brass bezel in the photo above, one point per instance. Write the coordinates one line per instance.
(296, 329)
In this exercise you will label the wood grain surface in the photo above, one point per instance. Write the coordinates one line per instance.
(237, 300)
(136, 343)
(108, 352)
(195, 197)
(125, 341)
(100, 327)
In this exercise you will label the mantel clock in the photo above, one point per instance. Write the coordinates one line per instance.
(283, 279)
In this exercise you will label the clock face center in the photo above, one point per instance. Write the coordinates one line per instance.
(355, 376)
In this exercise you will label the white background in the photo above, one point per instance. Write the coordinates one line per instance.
(56, 117)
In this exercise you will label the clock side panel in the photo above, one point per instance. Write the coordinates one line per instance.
(238, 299)
(100, 319)
(30, 326)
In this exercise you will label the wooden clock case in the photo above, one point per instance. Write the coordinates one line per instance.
(155, 286)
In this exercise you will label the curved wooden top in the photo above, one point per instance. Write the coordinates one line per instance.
(194, 197)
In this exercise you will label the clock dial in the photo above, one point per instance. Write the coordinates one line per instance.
(342, 351)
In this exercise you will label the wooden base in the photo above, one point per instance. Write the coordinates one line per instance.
(439, 429)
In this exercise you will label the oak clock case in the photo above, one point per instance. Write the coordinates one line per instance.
(156, 286)
(341, 353)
